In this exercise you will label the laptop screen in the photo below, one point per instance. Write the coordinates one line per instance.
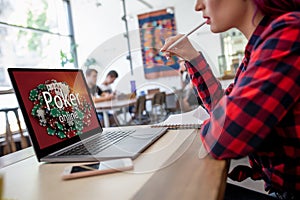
(57, 103)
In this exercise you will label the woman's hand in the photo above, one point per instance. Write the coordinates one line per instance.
(183, 49)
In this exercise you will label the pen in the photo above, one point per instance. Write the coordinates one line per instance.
(185, 36)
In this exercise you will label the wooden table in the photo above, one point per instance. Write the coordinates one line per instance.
(169, 169)
(187, 178)
(113, 105)
(117, 104)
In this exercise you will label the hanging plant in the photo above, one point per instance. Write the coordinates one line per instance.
(67, 57)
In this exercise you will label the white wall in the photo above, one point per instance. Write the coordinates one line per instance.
(99, 34)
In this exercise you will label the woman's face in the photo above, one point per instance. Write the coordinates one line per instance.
(222, 15)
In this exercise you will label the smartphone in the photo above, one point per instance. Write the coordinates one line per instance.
(104, 167)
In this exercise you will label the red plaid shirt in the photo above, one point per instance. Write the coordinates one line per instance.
(259, 114)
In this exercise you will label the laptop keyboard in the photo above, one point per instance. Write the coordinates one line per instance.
(98, 144)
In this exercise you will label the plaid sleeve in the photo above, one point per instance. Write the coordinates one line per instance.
(207, 85)
(261, 97)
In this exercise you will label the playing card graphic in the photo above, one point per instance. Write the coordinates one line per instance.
(60, 109)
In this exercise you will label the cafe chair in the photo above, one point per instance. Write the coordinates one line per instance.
(11, 138)
(140, 115)
(158, 111)
(172, 104)
(153, 91)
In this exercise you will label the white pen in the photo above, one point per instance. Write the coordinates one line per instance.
(185, 36)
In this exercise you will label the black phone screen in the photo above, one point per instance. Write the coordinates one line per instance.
(85, 168)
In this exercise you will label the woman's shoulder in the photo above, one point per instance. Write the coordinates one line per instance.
(284, 27)
(287, 19)
(278, 42)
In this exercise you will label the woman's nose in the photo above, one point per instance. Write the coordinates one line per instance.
(199, 5)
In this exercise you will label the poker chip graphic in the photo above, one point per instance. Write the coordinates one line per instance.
(56, 106)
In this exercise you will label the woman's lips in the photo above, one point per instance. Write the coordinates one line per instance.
(208, 21)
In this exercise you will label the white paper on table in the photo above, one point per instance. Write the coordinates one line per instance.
(196, 116)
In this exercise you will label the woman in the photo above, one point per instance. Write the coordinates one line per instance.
(259, 114)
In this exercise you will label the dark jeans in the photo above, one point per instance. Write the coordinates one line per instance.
(285, 195)
(111, 119)
(234, 192)
(100, 116)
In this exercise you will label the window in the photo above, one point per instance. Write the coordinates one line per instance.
(35, 34)
(233, 43)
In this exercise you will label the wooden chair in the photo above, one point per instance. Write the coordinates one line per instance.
(140, 116)
(153, 91)
(158, 106)
(10, 145)
(172, 104)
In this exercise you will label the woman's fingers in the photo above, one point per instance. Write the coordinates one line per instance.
(169, 41)
(183, 49)
(169, 52)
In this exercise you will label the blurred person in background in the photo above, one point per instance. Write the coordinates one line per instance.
(98, 95)
(108, 81)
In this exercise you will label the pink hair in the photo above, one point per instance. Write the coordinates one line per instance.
(277, 7)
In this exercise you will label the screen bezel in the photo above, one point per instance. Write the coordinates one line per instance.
(40, 153)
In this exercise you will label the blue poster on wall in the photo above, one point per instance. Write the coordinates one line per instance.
(155, 27)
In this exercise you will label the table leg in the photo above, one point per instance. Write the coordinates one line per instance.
(106, 119)
(125, 114)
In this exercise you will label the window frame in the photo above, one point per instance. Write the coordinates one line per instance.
(71, 35)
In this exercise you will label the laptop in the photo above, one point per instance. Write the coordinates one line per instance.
(62, 121)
